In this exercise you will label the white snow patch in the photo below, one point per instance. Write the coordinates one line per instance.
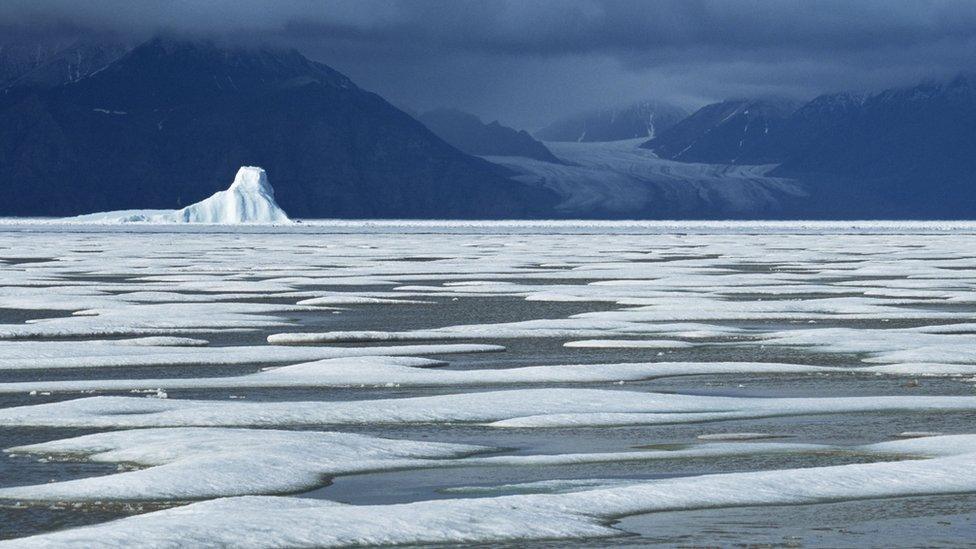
(163, 341)
(737, 436)
(26, 355)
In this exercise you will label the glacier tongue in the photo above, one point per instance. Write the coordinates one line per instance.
(250, 199)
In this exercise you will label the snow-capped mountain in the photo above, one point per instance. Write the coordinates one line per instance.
(645, 119)
(250, 199)
(166, 123)
(468, 133)
(48, 64)
(730, 132)
(905, 152)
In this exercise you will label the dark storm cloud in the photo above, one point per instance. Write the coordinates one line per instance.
(526, 61)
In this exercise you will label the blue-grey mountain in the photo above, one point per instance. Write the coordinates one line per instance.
(171, 121)
(730, 132)
(907, 152)
(468, 133)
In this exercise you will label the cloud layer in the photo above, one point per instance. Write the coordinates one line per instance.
(528, 61)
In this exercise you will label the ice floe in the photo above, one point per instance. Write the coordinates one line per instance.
(883, 299)
(269, 521)
(919, 350)
(33, 355)
(522, 408)
(387, 371)
(193, 463)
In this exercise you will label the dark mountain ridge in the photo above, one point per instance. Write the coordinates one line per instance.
(730, 132)
(170, 122)
(912, 150)
(468, 133)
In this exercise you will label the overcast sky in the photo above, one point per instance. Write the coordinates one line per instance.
(527, 62)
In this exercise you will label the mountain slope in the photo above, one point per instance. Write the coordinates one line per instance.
(50, 63)
(907, 152)
(171, 121)
(468, 133)
(911, 151)
(645, 119)
(730, 132)
(808, 124)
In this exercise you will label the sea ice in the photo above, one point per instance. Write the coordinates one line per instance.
(270, 521)
(521, 408)
(379, 371)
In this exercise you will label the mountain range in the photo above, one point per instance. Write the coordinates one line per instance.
(88, 126)
(169, 122)
(906, 152)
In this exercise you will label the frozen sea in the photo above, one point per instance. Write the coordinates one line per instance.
(522, 384)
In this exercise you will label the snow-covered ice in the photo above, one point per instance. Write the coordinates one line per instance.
(195, 463)
(522, 408)
(387, 371)
(296, 522)
(744, 364)
(49, 355)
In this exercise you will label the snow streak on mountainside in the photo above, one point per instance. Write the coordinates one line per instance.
(250, 199)
(34, 63)
(729, 132)
(620, 179)
(644, 119)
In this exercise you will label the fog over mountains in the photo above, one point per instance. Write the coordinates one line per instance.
(88, 126)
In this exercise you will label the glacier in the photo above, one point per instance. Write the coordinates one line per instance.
(249, 199)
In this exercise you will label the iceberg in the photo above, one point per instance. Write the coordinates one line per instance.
(249, 199)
